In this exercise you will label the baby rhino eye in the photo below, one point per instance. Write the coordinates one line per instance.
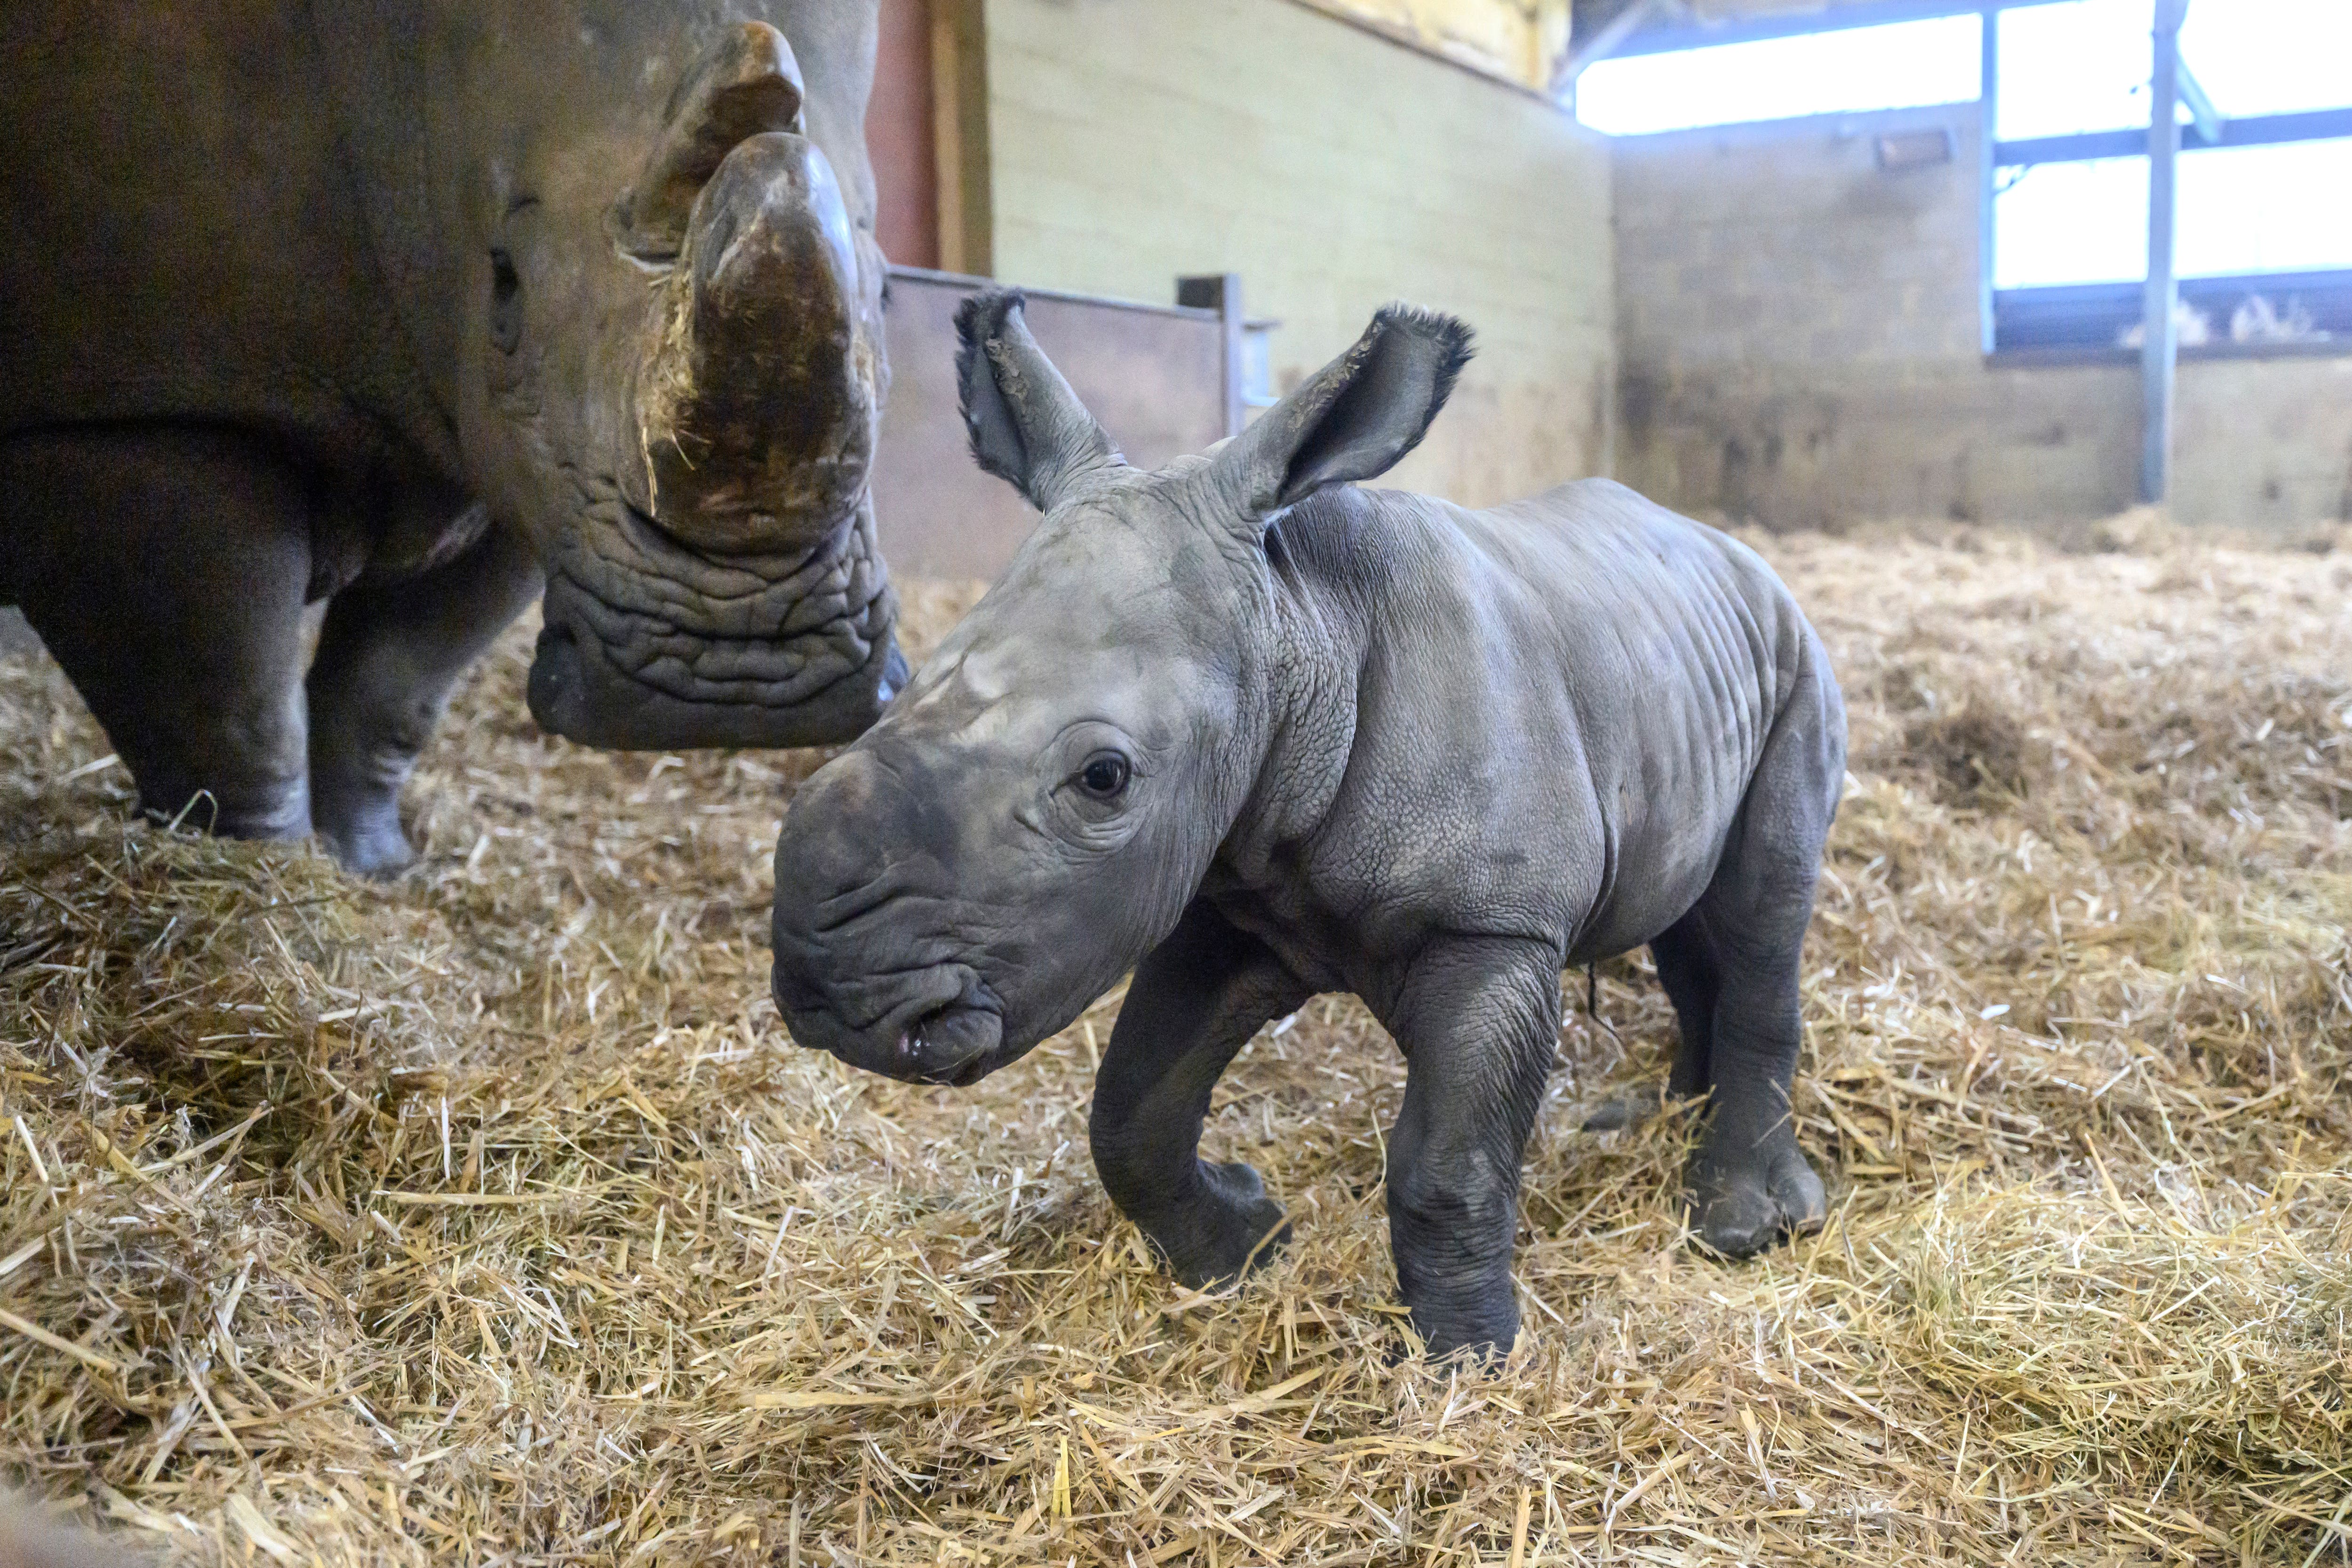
(1104, 776)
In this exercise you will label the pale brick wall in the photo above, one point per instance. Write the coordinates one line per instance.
(1132, 141)
(1799, 343)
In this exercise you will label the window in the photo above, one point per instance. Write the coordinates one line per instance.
(2264, 242)
(2270, 56)
(2070, 222)
(2242, 210)
(2068, 68)
(1901, 66)
(2285, 208)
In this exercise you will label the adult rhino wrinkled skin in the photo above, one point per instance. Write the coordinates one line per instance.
(412, 306)
(1260, 733)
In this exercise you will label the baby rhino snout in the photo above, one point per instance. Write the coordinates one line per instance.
(863, 966)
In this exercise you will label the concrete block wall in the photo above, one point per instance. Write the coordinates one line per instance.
(1756, 246)
(1799, 346)
(1133, 140)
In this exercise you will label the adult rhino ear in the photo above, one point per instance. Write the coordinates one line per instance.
(1353, 419)
(1025, 424)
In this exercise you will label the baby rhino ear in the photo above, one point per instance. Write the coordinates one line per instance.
(1025, 424)
(1353, 419)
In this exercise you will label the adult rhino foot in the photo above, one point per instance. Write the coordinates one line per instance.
(275, 809)
(364, 836)
(1486, 1329)
(1227, 1229)
(1741, 1205)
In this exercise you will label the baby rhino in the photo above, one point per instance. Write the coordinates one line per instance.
(1257, 734)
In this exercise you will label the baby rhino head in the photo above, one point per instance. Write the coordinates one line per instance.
(1036, 810)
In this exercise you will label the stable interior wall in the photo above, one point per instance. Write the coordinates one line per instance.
(1131, 142)
(1800, 346)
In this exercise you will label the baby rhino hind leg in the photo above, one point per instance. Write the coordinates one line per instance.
(1749, 1183)
(1731, 967)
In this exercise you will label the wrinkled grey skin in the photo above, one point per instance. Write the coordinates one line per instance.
(413, 305)
(1370, 742)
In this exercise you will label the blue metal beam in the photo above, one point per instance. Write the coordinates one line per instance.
(1988, 171)
(1833, 19)
(2160, 299)
(2261, 131)
(2206, 118)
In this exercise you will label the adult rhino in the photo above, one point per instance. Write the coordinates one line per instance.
(413, 305)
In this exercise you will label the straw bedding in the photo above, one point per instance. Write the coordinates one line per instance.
(490, 1216)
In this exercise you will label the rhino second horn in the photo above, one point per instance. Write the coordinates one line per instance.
(744, 83)
(757, 404)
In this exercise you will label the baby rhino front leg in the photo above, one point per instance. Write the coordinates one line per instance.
(1478, 1019)
(1194, 1002)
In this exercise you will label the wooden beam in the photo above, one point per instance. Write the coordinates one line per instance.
(1521, 43)
(1612, 36)
(1222, 292)
(2159, 302)
(959, 111)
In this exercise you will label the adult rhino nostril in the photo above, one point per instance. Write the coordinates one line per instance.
(554, 690)
(895, 675)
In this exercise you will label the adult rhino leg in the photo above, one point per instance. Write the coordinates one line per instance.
(166, 570)
(1478, 1019)
(1194, 1002)
(388, 657)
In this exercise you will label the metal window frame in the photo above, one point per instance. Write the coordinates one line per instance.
(2258, 130)
(2173, 88)
(2161, 142)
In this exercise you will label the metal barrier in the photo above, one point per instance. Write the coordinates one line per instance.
(1163, 378)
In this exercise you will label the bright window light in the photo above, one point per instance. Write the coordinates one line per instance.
(2242, 210)
(2270, 56)
(1902, 66)
(2070, 222)
(2083, 66)
(2265, 209)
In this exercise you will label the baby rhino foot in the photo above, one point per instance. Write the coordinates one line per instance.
(1626, 1111)
(1740, 1206)
(1227, 1228)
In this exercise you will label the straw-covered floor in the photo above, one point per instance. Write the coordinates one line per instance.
(490, 1216)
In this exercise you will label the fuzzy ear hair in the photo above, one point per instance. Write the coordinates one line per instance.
(1025, 424)
(1353, 419)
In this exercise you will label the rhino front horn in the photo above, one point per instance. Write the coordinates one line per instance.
(758, 400)
(744, 83)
